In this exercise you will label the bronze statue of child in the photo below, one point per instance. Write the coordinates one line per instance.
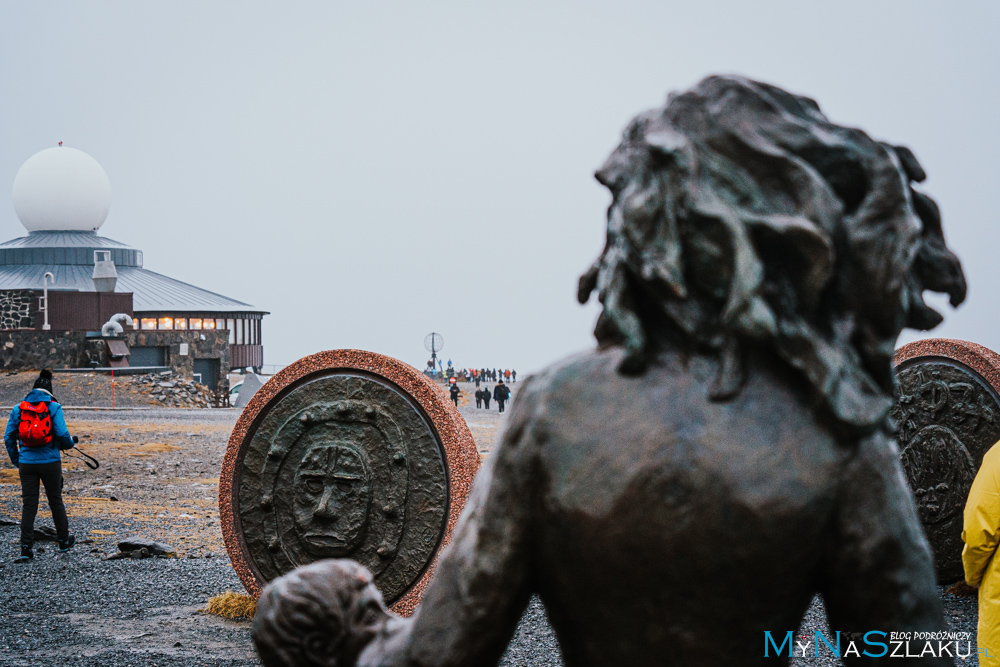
(724, 454)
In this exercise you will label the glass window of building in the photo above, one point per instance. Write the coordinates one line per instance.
(165, 323)
(180, 323)
(239, 331)
(149, 323)
(220, 323)
(194, 323)
(207, 324)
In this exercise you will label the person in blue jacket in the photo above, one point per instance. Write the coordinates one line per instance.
(40, 464)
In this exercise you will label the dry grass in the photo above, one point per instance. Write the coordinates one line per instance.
(129, 448)
(110, 429)
(962, 589)
(151, 448)
(181, 511)
(232, 606)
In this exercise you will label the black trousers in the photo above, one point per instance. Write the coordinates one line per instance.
(486, 403)
(500, 402)
(479, 402)
(456, 401)
(49, 474)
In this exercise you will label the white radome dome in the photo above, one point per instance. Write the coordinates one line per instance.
(62, 189)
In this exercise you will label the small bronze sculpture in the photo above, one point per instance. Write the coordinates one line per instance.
(333, 609)
(723, 455)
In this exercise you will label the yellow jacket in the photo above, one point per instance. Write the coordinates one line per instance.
(981, 534)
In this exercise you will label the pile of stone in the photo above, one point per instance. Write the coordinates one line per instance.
(141, 547)
(174, 392)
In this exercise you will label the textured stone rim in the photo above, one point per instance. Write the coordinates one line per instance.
(461, 455)
(981, 359)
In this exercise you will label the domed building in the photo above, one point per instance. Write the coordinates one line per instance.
(61, 284)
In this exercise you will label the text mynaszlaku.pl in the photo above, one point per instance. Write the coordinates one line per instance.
(876, 644)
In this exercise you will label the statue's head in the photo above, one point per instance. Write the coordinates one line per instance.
(321, 615)
(332, 494)
(742, 217)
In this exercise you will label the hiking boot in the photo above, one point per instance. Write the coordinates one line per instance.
(26, 554)
(67, 544)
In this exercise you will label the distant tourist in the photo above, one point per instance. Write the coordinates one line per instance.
(479, 396)
(513, 376)
(36, 432)
(486, 398)
(506, 375)
(455, 391)
(477, 376)
(500, 394)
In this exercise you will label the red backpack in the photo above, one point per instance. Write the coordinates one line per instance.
(35, 427)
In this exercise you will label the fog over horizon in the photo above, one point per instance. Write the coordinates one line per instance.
(371, 173)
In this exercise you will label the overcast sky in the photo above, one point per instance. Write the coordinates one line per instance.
(371, 172)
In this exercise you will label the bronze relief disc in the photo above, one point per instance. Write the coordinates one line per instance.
(345, 454)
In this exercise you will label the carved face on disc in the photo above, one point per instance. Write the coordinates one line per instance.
(332, 494)
(940, 473)
(344, 466)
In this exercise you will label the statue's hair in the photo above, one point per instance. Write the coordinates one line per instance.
(742, 216)
(301, 618)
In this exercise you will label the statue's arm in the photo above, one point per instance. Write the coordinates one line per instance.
(472, 606)
(879, 573)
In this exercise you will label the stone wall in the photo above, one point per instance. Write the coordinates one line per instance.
(34, 350)
(22, 350)
(214, 346)
(17, 309)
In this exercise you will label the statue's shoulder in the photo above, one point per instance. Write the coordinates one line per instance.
(570, 375)
(588, 393)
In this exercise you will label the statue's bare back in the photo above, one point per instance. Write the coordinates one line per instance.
(723, 456)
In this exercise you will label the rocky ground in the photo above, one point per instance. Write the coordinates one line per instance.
(158, 479)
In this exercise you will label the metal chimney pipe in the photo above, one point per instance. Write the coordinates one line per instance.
(44, 305)
(105, 275)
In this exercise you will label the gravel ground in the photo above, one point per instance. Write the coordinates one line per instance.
(75, 609)
(960, 613)
(162, 465)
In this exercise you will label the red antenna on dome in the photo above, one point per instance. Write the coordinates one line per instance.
(60, 143)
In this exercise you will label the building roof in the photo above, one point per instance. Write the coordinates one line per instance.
(65, 248)
(62, 240)
(70, 258)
